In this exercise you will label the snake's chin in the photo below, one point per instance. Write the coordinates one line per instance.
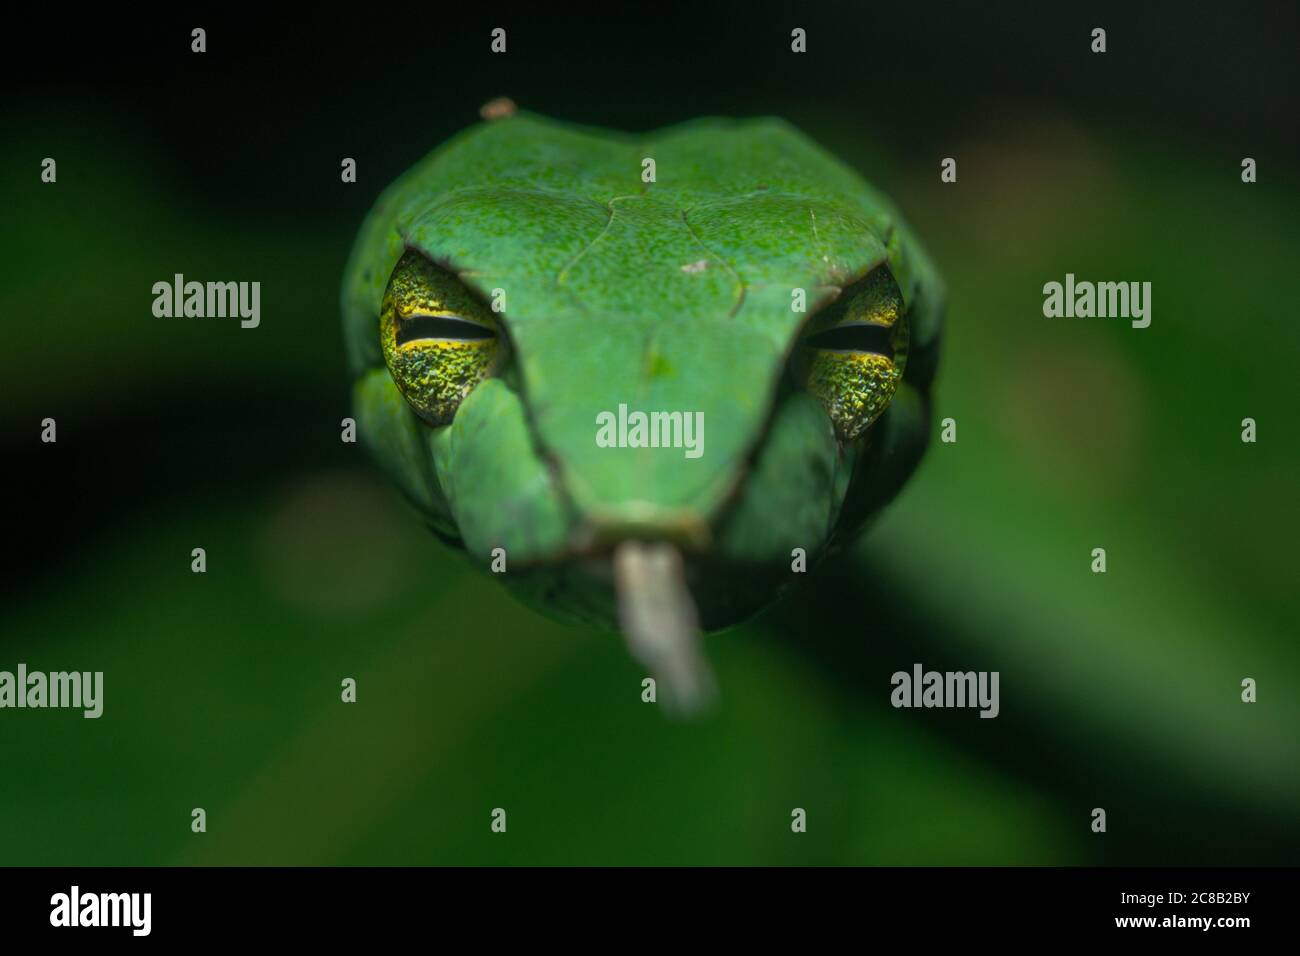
(583, 591)
(641, 587)
(661, 600)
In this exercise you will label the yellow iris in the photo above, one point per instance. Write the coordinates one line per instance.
(439, 341)
(854, 354)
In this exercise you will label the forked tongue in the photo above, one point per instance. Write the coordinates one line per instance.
(659, 622)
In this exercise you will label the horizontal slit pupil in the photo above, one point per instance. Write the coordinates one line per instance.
(861, 337)
(418, 327)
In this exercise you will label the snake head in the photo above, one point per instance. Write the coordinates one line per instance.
(652, 406)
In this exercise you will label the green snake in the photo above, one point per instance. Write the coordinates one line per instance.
(530, 280)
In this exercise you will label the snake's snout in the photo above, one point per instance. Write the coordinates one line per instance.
(660, 622)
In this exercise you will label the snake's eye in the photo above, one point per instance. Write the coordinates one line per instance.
(439, 340)
(853, 354)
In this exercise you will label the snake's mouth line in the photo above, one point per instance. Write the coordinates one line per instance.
(659, 620)
(685, 529)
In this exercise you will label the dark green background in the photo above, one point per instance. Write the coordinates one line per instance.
(222, 690)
